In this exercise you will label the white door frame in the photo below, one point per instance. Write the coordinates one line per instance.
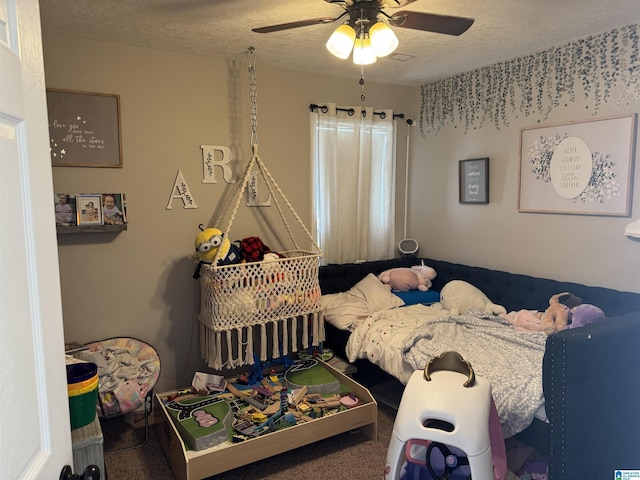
(35, 433)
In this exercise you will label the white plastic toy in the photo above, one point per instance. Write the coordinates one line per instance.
(447, 426)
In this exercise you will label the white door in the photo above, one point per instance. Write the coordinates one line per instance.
(35, 438)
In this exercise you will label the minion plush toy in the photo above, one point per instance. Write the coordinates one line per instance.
(208, 242)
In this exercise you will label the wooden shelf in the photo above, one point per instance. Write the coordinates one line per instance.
(90, 229)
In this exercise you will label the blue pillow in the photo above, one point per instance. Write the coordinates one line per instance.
(413, 297)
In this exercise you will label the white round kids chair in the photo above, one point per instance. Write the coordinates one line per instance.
(447, 426)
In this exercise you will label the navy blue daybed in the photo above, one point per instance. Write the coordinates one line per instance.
(591, 378)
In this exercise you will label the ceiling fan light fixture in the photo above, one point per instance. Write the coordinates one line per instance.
(341, 41)
(363, 53)
(383, 39)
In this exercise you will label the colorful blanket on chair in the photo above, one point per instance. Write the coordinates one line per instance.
(128, 369)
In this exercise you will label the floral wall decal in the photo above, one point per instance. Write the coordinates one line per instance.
(536, 84)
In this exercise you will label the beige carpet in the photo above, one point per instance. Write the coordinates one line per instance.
(349, 455)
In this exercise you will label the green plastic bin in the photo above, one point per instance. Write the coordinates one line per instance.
(82, 400)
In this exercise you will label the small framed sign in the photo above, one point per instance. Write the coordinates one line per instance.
(474, 180)
(84, 129)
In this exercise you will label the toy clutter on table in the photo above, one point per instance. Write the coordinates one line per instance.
(278, 394)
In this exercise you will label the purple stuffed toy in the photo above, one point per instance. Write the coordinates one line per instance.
(585, 314)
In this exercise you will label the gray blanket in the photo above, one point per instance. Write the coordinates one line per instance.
(510, 360)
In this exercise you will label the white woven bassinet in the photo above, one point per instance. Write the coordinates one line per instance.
(239, 300)
(278, 300)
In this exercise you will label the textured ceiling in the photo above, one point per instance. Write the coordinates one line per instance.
(503, 29)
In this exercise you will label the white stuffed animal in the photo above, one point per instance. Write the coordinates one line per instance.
(404, 279)
(458, 296)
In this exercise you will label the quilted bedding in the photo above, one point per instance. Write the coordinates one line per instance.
(402, 340)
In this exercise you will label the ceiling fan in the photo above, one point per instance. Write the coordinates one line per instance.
(366, 31)
(368, 12)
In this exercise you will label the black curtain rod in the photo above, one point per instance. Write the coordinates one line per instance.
(351, 112)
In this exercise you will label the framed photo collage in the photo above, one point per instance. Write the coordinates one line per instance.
(82, 209)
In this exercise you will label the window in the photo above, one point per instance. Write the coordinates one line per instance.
(353, 183)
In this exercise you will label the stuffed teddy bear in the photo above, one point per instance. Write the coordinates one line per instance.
(458, 297)
(557, 316)
(566, 298)
(404, 279)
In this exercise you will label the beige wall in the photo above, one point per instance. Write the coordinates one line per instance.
(584, 249)
(138, 282)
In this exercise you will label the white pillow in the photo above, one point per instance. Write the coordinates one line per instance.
(367, 296)
(458, 297)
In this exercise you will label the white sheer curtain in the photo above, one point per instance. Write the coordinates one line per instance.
(353, 183)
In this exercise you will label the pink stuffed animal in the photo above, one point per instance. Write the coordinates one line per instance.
(401, 279)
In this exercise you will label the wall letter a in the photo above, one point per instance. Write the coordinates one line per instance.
(181, 190)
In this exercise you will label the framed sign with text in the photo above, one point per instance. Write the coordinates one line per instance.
(582, 168)
(84, 129)
(474, 180)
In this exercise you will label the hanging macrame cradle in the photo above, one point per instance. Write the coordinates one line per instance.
(279, 299)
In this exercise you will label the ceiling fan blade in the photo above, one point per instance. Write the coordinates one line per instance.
(430, 22)
(300, 23)
(396, 3)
